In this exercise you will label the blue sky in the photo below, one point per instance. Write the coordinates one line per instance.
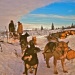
(60, 13)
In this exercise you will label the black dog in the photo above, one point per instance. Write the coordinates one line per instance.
(23, 41)
(30, 59)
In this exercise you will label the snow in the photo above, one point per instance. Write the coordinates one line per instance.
(11, 63)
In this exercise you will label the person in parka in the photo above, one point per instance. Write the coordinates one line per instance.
(11, 28)
(20, 29)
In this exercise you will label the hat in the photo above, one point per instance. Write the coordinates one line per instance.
(11, 20)
(18, 22)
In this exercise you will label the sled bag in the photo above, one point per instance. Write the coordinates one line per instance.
(70, 54)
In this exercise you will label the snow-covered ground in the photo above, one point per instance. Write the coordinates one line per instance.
(11, 63)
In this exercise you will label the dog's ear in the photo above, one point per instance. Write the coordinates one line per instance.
(26, 34)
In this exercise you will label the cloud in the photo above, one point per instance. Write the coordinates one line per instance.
(38, 20)
(14, 9)
(69, 17)
(67, 0)
(70, 11)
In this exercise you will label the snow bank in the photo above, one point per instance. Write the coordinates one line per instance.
(11, 63)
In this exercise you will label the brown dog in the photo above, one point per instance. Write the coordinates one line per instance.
(58, 51)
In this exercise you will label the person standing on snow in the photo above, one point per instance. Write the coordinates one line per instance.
(20, 29)
(11, 28)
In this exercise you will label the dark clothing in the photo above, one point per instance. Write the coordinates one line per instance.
(11, 27)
